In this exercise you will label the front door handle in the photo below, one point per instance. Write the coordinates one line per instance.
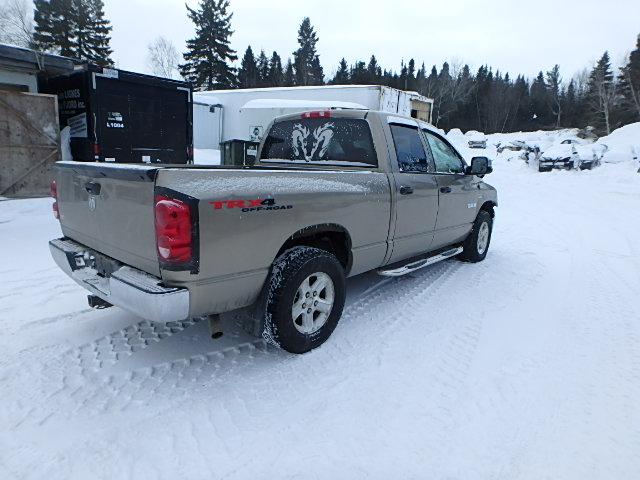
(445, 189)
(406, 190)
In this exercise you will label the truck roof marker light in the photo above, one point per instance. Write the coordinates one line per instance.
(318, 114)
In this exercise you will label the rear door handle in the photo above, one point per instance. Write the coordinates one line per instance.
(92, 188)
(406, 190)
(445, 189)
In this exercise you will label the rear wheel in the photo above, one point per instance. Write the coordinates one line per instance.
(304, 299)
(476, 245)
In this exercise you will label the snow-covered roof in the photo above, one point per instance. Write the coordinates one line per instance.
(287, 103)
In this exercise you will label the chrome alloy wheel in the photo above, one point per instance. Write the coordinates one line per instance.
(312, 303)
(483, 237)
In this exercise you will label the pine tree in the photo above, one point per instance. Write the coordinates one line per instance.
(421, 78)
(92, 32)
(630, 83)
(209, 52)
(374, 72)
(554, 82)
(275, 74)
(539, 103)
(602, 92)
(358, 74)
(248, 71)
(411, 75)
(342, 74)
(289, 75)
(54, 23)
(73, 28)
(263, 69)
(308, 70)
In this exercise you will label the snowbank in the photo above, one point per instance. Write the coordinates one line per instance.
(623, 144)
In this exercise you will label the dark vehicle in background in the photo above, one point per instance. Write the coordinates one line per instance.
(124, 117)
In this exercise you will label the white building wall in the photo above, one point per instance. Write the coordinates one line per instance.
(11, 77)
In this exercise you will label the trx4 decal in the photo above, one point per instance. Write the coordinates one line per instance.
(255, 205)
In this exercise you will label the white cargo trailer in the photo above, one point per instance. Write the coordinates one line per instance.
(243, 114)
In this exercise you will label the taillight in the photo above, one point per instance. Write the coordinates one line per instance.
(96, 150)
(173, 230)
(54, 195)
(322, 114)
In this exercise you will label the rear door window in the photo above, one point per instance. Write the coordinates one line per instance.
(331, 141)
(410, 152)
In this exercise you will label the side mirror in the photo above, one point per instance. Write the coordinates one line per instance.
(479, 166)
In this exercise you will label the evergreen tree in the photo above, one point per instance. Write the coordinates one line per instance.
(539, 103)
(53, 26)
(374, 72)
(73, 28)
(92, 32)
(421, 78)
(263, 69)
(630, 84)
(209, 52)
(411, 75)
(248, 71)
(275, 75)
(601, 93)
(358, 74)
(553, 93)
(342, 75)
(308, 70)
(289, 75)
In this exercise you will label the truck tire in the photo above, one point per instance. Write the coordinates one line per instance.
(476, 245)
(304, 299)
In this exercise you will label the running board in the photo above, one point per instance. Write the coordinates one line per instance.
(417, 265)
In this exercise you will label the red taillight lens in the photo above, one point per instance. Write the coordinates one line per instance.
(323, 114)
(54, 195)
(173, 230)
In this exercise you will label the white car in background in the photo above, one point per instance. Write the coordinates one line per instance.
(571, 153)
(476, 139)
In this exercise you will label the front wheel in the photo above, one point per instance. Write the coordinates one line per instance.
(476, 245)
(305, 298)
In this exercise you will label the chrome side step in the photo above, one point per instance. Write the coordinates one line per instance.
(418, 264)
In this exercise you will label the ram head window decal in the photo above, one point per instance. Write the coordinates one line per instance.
(311, 145)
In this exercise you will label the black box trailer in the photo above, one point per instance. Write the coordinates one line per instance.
(126, 117)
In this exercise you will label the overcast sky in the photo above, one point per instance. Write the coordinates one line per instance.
(513, 36)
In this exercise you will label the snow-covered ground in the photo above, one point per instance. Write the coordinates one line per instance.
(524, 366)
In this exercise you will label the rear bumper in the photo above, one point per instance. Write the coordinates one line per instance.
(127, 287)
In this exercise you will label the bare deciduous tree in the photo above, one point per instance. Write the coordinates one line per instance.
(162, 58)
(16, 23)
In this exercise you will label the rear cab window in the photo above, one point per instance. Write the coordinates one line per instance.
(320, 141)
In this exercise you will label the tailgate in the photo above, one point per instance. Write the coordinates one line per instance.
(109, 208)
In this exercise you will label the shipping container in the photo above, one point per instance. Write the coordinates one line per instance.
(243, 114)
(124, 117)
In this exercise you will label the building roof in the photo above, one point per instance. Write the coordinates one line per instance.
(31, 61)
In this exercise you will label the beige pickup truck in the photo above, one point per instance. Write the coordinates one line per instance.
(333, 194)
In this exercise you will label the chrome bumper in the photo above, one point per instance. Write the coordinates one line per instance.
(127, 287)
